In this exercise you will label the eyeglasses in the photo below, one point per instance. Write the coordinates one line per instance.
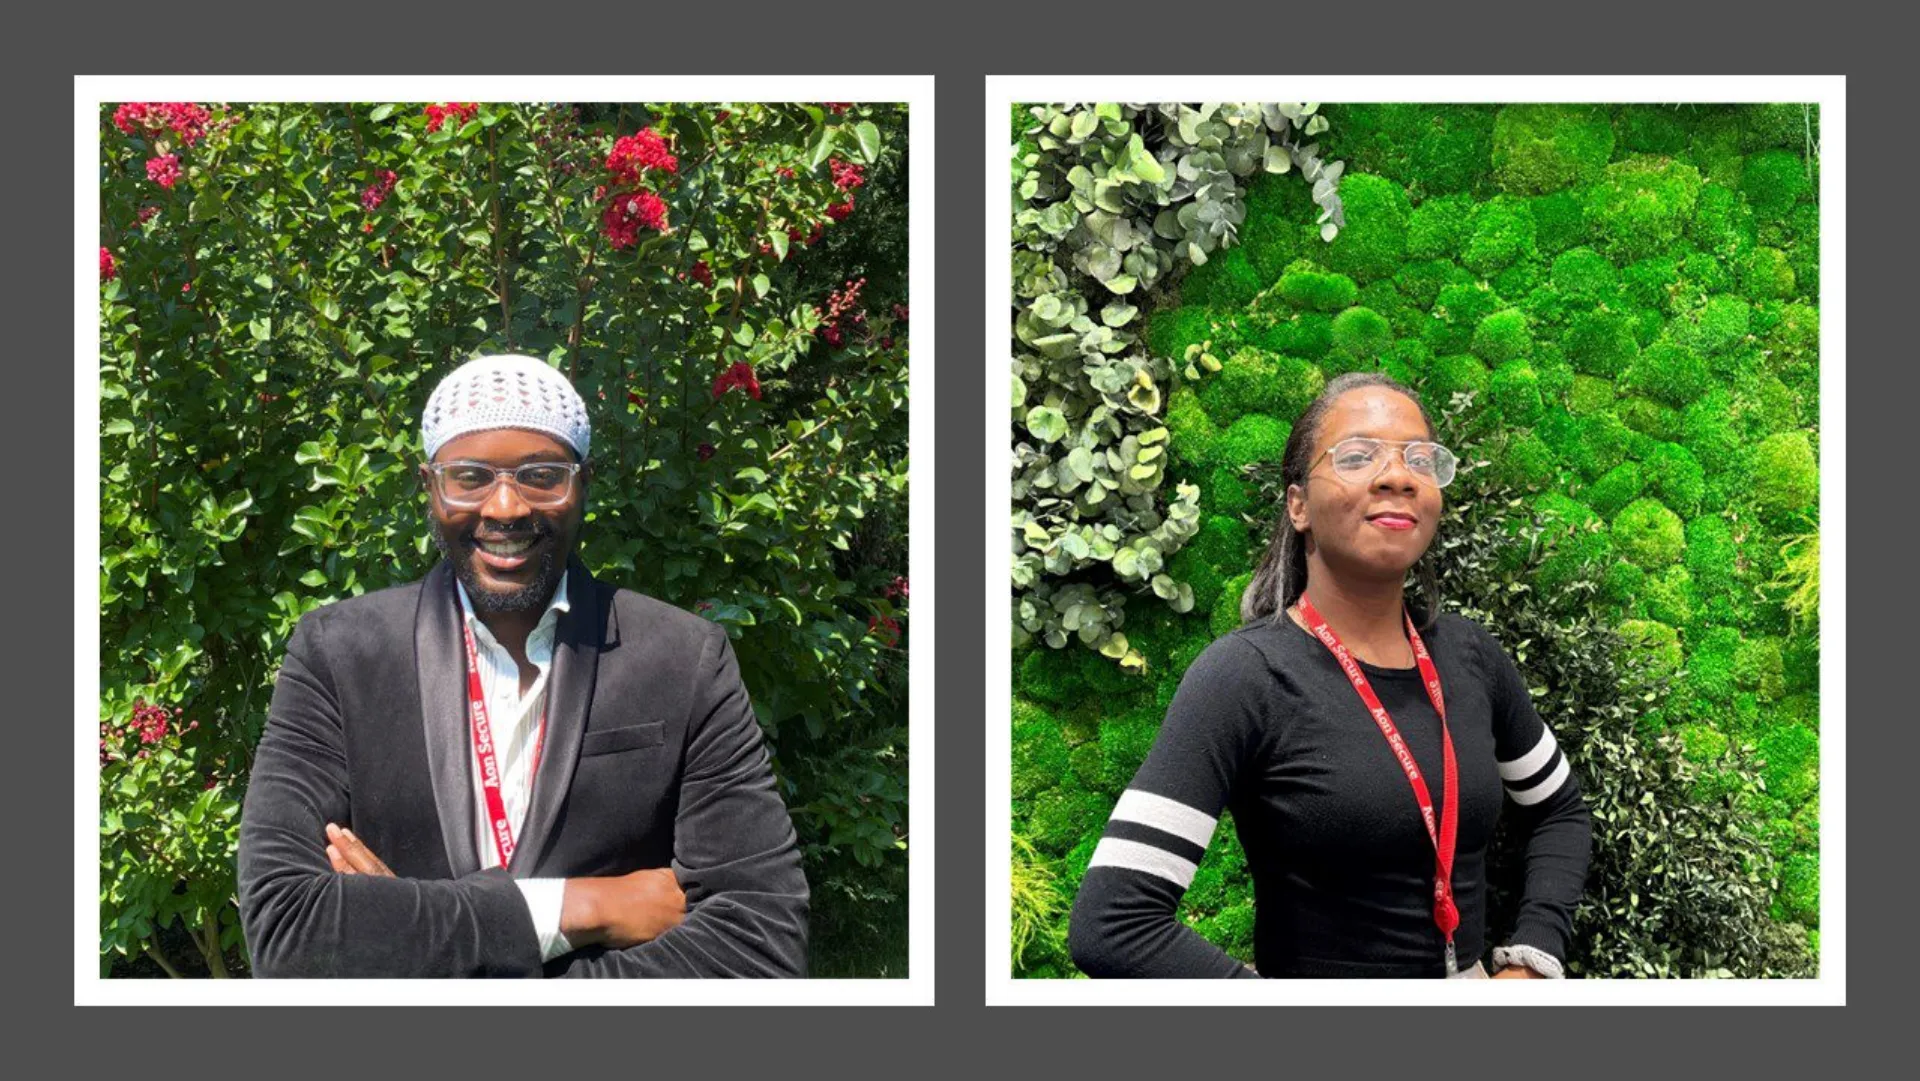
(467, 485)
(1359, 460)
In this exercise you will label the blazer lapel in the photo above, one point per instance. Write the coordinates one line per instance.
(441, 663)
(576, 659)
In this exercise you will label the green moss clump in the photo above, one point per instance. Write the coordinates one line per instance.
(1062, 816)
(1792, 757)
(1584, 273)
(1760, 666)
(1522, 278)
(1253, 439)
(1559, 220)
(1246, 383)
(1317, 290)
(1556, 375)
(1039, 751)
(1228, 492)
(1720, 325)
(1309, 335)
(1086, 765)
(1402, 316)
(1456, 374)
(1711, 554)
(1562, 510)
(1649, 418)
(1620, 486)
(1675, 478)
(1422, 282)
(1651, 283)
(1542, 148)
(1188, 566)
(1765, 272)
(1722, 222)
(1171, 330)
(1439, 228)
(1669, 596)
(1527, 462)
(1502, 233)
(1786, 475)
(1773, 181)
(1456, 314)
(1514, 389)
(1192, 431)
(1795, 336)
(1709, 431)
(1375, 238)
(1052, 676)
(1710, 656)
(1642, 207)
(1669, 372)
(1715, 147)
(1451, 151)
(1701, 744)
(1226, 611)
(1649, 534)
(1622, 583)
(1590, 396)
(1651, 129)
(1106, 679)
(1222, 544)
(1360, 337)
(1228, 280)
(1601, 343)
(1272, 234)
(1123, 745)
(1799, 896)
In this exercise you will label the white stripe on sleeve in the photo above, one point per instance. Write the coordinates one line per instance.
(1548, 787)
(1165, 815)
(1529, 764)
(1134, 856)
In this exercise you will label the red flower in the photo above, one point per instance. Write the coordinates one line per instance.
(147, 212)
(377, 192)
(819, 228)
(187, 120)
(884, 628)
(739, 375)
(705, 451)
(833, 336)
(109, 269)
(839, 211)
(837, 106)
(846, 175)
(898, 587)
(703, 273)
(635, 154)
(785, 172)
(900, 312)
(186, 287)
(164, 170)
(636, 399)
(628, 212)
(721, 116)
(458, 112)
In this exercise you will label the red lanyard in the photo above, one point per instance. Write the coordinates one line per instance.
(502, 830)
(1445, 915)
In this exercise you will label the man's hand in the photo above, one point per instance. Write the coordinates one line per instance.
(623, 911)
(1517, 972)
(349, 856)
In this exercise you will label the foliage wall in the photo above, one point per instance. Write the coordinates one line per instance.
(282, 286)
(1627, 297)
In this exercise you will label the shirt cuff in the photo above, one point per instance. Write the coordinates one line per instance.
(1539, 960)
(544, 897)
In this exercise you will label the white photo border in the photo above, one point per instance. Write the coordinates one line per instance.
(914, 90)
(1829, 988)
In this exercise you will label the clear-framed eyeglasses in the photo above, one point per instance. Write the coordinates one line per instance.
(467, 485)
(1360, 459)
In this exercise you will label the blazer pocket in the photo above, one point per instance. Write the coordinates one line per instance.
(632, 737)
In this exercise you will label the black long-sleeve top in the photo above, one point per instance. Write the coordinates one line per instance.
(1267, 725)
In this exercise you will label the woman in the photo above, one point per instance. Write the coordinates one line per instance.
(1365, 829)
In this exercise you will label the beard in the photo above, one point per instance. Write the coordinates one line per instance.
(458, 550)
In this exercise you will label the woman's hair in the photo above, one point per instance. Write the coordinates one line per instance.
(1281, 577)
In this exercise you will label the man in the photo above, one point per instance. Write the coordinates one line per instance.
(509, 768)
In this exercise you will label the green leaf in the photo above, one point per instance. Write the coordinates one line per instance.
(779, 243)
(820, 149)
(380, 112)
(1047, 424)
(314, 579)
(117, 426)
(869, 137)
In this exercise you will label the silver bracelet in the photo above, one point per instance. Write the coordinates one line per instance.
(1539, 960)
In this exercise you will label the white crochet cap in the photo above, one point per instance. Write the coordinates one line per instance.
(507, 391)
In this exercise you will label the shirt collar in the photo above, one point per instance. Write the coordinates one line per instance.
(557, 604)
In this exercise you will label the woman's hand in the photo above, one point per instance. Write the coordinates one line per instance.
(1517, 972)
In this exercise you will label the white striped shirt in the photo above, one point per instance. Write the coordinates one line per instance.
(515, 719)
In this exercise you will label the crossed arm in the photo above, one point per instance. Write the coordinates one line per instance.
(735, 858)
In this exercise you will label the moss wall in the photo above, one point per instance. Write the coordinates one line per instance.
(1632, 295)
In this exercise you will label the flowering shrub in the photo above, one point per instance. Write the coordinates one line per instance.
(282, 285)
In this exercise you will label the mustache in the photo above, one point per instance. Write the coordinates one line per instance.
(532, 529)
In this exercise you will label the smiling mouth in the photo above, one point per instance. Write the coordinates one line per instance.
(505, 548)
(1392, 521)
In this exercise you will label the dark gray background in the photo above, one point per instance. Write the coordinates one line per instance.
(960, 44)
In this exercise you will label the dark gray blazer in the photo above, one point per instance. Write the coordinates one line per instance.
(652, 758)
